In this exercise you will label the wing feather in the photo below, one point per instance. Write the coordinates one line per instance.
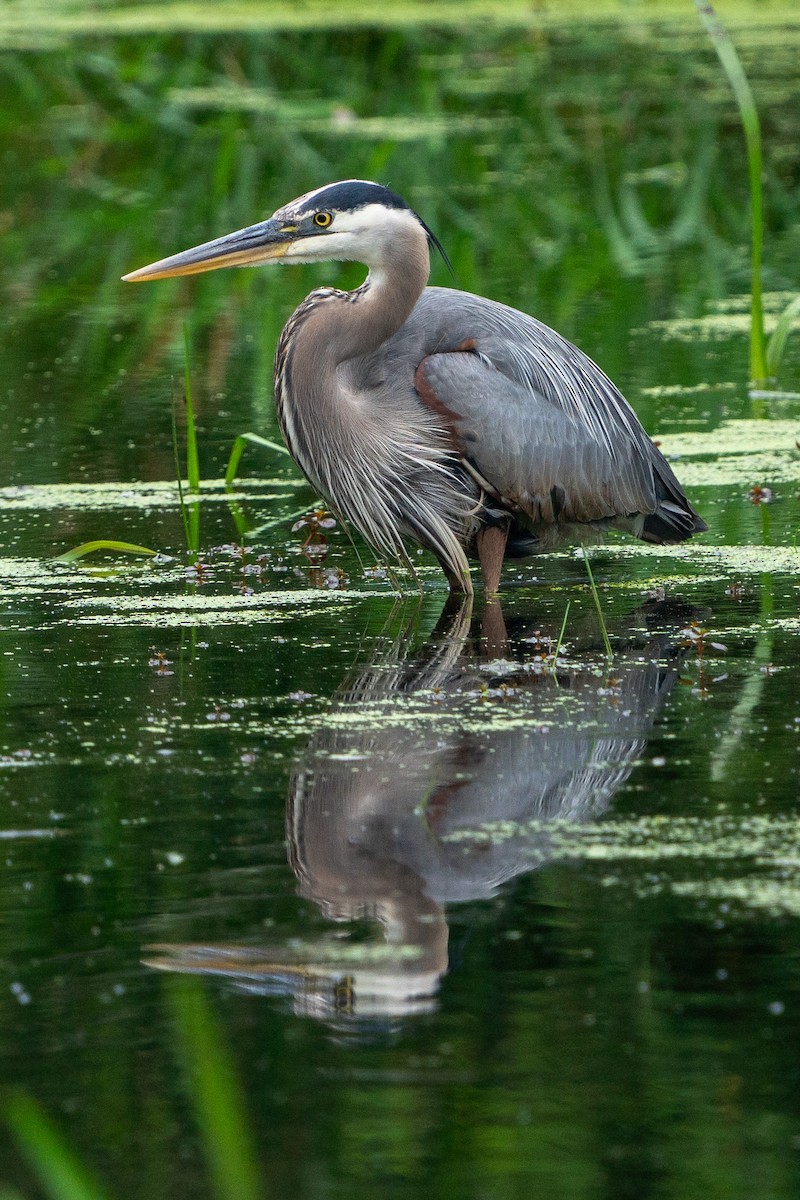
(533, 417)
(540, 421)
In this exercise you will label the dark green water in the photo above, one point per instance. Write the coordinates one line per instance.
(472, 927)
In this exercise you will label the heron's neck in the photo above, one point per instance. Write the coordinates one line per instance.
(359, 322)
(390, 294)
(351, 419)
(331, 328)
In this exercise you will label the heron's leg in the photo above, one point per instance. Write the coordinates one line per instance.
(491, 542)
(494, 636)
(459, 586)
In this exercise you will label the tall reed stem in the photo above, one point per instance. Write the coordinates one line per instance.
(191, 513)
(597, 605)
(732, 66)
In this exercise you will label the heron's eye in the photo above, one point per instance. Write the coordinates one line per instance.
(323, 219)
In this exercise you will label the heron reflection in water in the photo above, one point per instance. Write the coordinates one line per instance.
(436, 778)
(439, 416)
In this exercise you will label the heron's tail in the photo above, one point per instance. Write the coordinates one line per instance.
(674, 519)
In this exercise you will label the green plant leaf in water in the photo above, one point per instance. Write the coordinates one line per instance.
(597, 605)
(780, 334)
(189, 528)
(61, 1175)
(557, 650)
(238, 450)
(732, 66)
(192, 456)
(216, 1094)
(191, 515)
(103, 544)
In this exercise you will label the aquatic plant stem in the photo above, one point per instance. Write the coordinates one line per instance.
(216, 1094)
(732, 66)
(596, 598)
(78, 552)
(191, 515)
(238, 450)
(60, 1172)
(192, 456)
(777, 342)
(557, 650)
(179, 477)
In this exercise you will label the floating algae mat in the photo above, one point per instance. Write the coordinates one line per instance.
(718, 561)
(741, 452)
(651, 854)
(145, 496)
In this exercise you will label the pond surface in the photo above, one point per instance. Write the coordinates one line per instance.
(475, 918)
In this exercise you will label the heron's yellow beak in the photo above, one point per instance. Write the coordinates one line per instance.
(245, 248)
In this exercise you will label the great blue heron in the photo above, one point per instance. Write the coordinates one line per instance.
(439, 415)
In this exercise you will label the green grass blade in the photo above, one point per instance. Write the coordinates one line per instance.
(777, 343)
(192, 517)
(276, 521)
(596, 598)
(557, 650)
(216, 1094)
(193, 511)
(192, 456)
(732, 66)
(240, 519)
(61, 1174)
(179, 476)
(238, 450)
(103, 544)
(243, 526)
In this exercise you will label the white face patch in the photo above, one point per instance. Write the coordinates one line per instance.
(359, 236)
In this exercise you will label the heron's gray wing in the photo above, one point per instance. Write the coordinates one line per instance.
(539, 421)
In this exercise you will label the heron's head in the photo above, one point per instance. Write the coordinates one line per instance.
(352, 221)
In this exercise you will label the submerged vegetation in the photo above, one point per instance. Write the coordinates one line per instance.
(765, 360)
(211, 1082)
